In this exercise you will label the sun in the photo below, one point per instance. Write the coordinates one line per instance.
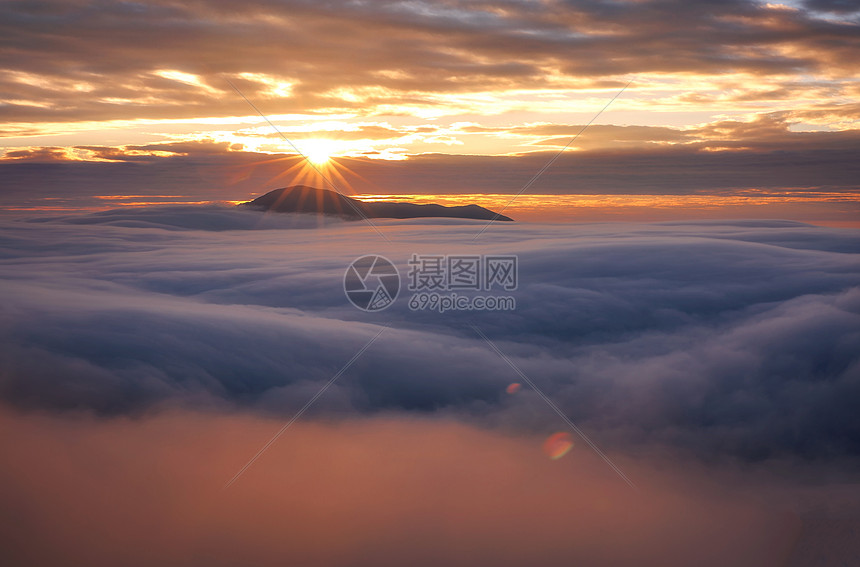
(318, 152)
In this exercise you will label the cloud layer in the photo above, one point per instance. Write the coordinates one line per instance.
(147, 353)
(732, 338)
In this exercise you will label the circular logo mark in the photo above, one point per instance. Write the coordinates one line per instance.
(371, 283)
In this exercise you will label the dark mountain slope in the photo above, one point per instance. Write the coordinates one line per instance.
(304, 199)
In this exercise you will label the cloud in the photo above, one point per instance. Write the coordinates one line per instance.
(716, 339)
(37, 154)
(383, 491)
(838, 6)
(159, 59)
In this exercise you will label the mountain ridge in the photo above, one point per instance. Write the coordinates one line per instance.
(306, 199)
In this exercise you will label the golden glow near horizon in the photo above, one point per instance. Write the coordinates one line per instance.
(829, 209)
(687, 109)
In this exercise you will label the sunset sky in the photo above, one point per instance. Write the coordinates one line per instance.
(756, 102)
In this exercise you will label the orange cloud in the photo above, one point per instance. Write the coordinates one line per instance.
(164, 60)
(386, 491)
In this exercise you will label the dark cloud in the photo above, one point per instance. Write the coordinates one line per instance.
(38, 154)
(837, 6)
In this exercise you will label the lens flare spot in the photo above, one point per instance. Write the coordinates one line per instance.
(513, 388)
(557, 445)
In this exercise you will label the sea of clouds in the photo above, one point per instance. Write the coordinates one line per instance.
(725, 344)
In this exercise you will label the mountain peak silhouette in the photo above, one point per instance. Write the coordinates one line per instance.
(305, 199)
